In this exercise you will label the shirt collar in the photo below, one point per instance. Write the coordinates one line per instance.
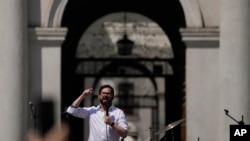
(110, 109)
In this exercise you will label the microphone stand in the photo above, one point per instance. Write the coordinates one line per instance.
(34, 114)
(172, 133)
(107, 105)
(164, 138)
(151, 134)
(239, 122)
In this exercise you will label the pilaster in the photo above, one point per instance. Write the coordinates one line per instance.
(234, 63)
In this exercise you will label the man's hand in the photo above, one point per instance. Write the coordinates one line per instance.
(56, 133)
(87, 92)
(107, 120)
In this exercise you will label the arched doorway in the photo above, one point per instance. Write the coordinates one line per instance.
(74, 83)
(100, 59)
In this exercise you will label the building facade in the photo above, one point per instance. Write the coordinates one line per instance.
(207, 74)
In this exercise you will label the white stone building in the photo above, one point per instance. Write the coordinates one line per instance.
(205, 44)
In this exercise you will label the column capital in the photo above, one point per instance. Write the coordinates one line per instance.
(47, 34)
(200, 37)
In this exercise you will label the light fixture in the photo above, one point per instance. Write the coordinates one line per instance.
(125, 45)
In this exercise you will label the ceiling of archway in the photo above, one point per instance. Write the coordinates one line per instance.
(99, 40)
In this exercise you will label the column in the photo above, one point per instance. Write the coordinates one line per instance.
(234, 63)
(13, 103)
(45, 65)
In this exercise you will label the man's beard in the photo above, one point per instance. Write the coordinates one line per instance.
(105, 101)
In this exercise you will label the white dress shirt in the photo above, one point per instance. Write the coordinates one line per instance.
(98, 129)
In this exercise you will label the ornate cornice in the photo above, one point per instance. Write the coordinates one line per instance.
(200, 37)
(47, 34)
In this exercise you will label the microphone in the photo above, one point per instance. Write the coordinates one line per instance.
(107, 108)
(31, 105)
(32, 108)
(226, 111)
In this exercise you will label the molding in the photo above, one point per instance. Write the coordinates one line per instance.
(52, 12)
(57, 13)
(47, 34)
(200, 37)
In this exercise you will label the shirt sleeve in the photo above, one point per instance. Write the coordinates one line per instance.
(79, 112)
(122, 121)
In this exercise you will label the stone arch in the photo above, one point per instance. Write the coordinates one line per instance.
(56, 13)
(100, 38)
(50, 15)
(169, 15)
(198, 13)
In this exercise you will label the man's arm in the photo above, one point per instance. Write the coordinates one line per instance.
(73, 108)
(119, 130)
(78, 101)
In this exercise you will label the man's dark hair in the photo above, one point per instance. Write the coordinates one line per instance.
(106, 86)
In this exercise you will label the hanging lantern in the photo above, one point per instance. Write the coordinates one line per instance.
(125, 45)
